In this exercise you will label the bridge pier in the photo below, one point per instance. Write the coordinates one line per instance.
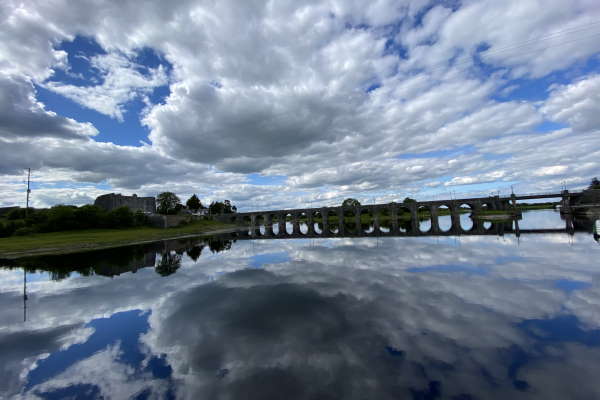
(375, 217)
(325, 219)
(394, 225)
(435, 223)
(357, 219)
(341, 220)
(565, 202)
(310, 222)
(414, 219)
(455, 217)
(254, 230)
(268, 224)
(282, 219)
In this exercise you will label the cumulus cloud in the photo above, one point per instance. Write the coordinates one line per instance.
(576, 104)
(328, 94)
(23, 117)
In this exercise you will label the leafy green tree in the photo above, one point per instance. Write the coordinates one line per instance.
(121, 217)
(225, 207)
(194, 203)
(168, 203)
(594, 184)
(351, 203)
(17, 213)
(60, 218)
(408, 200)
(89, 216)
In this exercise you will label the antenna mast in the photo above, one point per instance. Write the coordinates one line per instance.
(28, 191)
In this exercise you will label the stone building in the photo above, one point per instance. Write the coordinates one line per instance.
(115, 200)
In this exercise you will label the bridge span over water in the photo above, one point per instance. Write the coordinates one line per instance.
(388, 219)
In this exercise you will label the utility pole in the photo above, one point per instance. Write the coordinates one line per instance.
(28, 191)
(24, 295)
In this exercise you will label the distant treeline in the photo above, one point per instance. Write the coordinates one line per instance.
(64, 218)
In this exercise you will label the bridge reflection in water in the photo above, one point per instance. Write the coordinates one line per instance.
(291, 227)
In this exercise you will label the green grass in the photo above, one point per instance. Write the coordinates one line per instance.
(71, 241)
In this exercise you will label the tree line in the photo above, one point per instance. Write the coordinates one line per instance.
(20, 221)
(168, 203)
(64, 217)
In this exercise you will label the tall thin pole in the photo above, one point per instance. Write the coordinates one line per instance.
(24, 295)
(28, 191)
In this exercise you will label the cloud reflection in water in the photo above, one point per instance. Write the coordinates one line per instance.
(416, 318)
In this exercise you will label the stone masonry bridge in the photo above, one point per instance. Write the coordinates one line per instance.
(398, 218)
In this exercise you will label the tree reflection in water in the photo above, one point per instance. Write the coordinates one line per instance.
(169, 263)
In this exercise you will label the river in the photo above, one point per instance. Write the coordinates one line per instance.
(430, 317)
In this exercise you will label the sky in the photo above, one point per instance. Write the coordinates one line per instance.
(288, 104)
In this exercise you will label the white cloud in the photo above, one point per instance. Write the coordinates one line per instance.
(281, 89)
(122, 83)
(576, 104)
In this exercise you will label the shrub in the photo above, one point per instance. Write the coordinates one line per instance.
(89, 216)
(121, 217)
(24, 231)
(60, 218)
(9, 228)
(17, 213)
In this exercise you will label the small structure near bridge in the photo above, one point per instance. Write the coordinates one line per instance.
(115, 200)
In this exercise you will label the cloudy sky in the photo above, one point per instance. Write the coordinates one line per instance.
(297, 103)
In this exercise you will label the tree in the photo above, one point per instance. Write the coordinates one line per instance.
(194, 203)
(16, 213)
(351, 203)
(168, 203)
(121, 217)
(595, 184)
(408, 200)
(89, 216)
(225, 207)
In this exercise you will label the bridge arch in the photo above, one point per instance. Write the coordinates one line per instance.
(289, 227)
(384, 217)
(351, 216)
(332, 221)
(424, 219)
(488, 225)
(260, 227)
(444, 216)
(303, 222)
(366, 220)
(274, 221)
(466, 211)
(404, 218)
(317, 222)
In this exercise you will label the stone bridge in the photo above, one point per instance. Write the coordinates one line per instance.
(392, 219)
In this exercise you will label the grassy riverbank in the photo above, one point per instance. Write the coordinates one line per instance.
(90, 239)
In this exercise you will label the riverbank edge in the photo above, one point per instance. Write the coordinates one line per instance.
(76, 248)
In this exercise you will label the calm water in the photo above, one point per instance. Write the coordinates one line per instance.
(469, 317)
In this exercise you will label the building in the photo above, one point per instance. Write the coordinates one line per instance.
(135, 203)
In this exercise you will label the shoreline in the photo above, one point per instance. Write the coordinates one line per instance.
(81, 247)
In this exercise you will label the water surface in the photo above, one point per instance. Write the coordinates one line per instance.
(449, 317)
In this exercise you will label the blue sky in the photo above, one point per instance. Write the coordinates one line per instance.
(375, 102)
